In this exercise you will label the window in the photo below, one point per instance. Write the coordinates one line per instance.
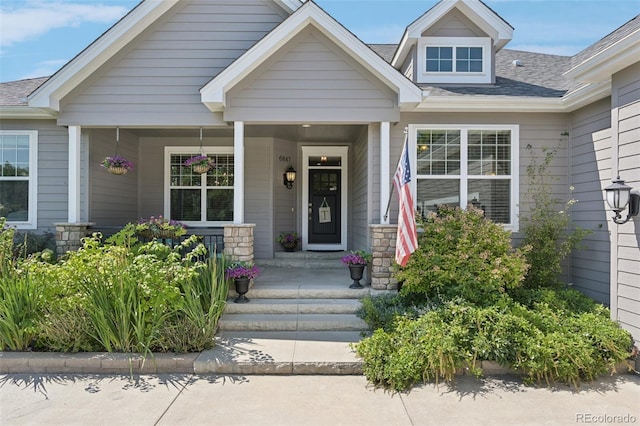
(197, 199)
(18, 177)
(461, 165)
(440, 59)
(455, 60)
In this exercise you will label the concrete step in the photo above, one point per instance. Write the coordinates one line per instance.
(291, 322)
(300, 263)
(295, 292)
(281, 353)
(295, 306)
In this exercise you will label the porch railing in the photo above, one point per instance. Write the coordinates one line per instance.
(211, 237)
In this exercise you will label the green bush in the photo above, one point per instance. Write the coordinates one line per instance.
(547, 228)
(545, 343)
(120, 295)
(381, 311)
(29, 243)
(462, 254)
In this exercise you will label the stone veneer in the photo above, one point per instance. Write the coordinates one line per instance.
(69, 236)
(383, 247)
(238, 242)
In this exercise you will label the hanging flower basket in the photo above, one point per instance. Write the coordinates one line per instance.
(199, 164)
(117, 165)
(159, 227)
(117, 170)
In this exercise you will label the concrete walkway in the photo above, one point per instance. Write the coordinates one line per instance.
(177, 399)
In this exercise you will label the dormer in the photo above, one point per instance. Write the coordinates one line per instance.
(454, 42)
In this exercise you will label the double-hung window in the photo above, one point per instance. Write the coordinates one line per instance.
(199, 199)
(462, 165)
(18, 177)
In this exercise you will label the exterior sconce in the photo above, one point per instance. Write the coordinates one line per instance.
(288, 177)
(618, 196)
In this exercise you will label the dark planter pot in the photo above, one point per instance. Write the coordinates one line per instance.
(356, 271)
(242, 287)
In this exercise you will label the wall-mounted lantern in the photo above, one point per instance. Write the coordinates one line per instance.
(618, 196)
(288, 177)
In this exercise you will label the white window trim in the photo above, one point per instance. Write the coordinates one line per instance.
(32, 221)
(454, 77)
(464, 176)
(168, 151)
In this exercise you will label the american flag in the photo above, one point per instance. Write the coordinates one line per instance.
(407, 240)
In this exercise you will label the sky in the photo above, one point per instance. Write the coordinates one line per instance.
(37, 37)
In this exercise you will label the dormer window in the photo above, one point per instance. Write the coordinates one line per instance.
(463, 60)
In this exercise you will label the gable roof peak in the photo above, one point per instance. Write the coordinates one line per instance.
(492, 24)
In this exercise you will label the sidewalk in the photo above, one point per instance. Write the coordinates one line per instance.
(185, 399)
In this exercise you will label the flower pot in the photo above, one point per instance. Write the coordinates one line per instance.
(117, 170)
(289, 246)
(146, 233)
(356, 272)
(201, 168)
(242, 287)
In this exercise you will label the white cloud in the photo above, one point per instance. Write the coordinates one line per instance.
(35, 18)
(44, 68)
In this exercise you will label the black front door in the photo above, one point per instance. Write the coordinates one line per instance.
(324, 206)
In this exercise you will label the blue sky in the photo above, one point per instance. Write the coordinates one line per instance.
(39, 36)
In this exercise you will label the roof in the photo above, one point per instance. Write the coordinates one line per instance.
(385, 51)
(14, 93)
(607, 41)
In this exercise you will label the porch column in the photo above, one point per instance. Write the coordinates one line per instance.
(238, 173)
(73, 214)
(384, 169)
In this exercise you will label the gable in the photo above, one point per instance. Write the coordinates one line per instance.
(454, 24)
(156, 79)
(311, 79)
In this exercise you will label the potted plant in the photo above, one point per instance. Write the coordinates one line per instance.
(200, 163)
(159, 227)
(288, 240)
(242, 273)
(117, 165)
(356, 261)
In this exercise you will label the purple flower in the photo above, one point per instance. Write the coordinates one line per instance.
(199, 159)
(117, 161)
(242, 270)
(358, 257)
(288, 238)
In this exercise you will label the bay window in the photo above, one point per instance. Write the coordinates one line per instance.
(462, 165)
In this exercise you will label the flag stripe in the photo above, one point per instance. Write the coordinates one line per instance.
(407, 238)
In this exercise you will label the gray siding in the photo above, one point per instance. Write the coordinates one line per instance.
(626, 97)
(157, 79)
(53, 162)
(285, 211)
(259, 194)
(454, 24)
(311, 79)
(113, 200)
(358, 194)
(590, 172)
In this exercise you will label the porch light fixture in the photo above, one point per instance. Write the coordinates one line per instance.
(288, 177)
(618, 196)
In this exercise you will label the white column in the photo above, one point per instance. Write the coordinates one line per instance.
(238, 172)
(384, 170)
(73, 214)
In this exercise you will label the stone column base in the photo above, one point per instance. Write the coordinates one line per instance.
(239, 241)
(69, 236)
(383, 246)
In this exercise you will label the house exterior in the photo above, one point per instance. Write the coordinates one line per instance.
(263, 85)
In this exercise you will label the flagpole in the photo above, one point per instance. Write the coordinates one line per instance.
(406, 137)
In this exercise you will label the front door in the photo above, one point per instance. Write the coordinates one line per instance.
(324, 206)
(324, 197)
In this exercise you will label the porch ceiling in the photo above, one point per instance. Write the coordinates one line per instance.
(316, 133)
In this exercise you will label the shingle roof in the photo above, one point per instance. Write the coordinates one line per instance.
(386, 51)
(14, 93)
(607, 41)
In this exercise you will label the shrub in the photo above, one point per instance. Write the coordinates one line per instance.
(381, 311)
(545, 343)
(462, 254)
(547, 227)
(28, 243)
